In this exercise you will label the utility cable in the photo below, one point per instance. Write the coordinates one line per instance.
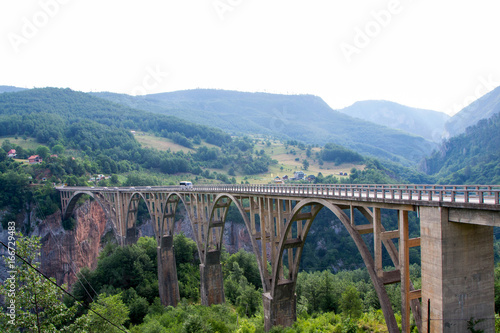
(66, 292)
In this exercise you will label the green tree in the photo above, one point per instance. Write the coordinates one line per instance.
(58, 149)
(38, 306)
(305, 164)
(110, 307)
(350, 302)
(43, 152)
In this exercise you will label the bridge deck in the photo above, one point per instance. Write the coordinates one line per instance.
(485, 197)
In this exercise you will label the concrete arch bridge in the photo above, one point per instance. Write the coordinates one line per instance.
(456, 241)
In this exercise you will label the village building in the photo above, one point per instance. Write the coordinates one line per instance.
(34, 159)
(298, 175)
(12, 153)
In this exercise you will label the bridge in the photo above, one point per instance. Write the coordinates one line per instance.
(456, 241)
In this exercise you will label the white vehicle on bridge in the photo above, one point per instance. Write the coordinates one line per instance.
(186, 184)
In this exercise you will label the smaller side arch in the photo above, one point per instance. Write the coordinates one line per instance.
(74, 199)
(215, 223)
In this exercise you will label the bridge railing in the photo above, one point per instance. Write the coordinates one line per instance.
(470, 194)
(478, 194)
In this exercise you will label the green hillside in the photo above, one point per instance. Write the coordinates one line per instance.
(305, 118)
(470, 158)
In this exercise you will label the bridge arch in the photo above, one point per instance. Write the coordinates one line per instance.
(131, 213)
(214, 223)
(74, 199)
(293, 240)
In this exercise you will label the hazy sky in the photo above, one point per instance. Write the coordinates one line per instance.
(438, 55)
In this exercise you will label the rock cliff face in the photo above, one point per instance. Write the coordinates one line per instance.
(65, 252)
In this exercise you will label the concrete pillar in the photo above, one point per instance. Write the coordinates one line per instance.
(167, 272)
(131, 236)
(457, 273)
(282, 309)
(211, 280)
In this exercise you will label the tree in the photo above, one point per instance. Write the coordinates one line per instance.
(350, 302)
(38, 305)
(305, 164)
(3, 155)
(43, 152)
(110, 307)
(58, 149)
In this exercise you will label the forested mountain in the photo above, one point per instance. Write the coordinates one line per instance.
(29, 110)
(482, 108)
(469, 158)
(10, 89)
(102, 131)
(301, 117)
(426, 123)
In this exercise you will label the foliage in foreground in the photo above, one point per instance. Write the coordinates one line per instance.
(37, 301)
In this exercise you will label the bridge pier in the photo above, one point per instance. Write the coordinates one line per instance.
(168, 284)
(457, 272)
(131, 236)
(212, 286)
(282, 309)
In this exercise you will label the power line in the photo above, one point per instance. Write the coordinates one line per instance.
(66, 292)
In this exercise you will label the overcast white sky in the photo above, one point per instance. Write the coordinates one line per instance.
(438, 55)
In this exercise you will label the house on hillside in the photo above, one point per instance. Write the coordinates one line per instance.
(278, 180)
(12, 153)
(311, 178)
(298, 175)
(34, 159)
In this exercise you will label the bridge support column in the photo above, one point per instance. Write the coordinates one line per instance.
(457, 273)
(282, 309)
(131, 237)
(167, 272)
(212, 286)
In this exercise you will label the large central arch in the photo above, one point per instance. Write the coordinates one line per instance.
(290, 227)
(293, 240)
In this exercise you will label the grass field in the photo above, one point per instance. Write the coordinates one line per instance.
(164, 144)
(287, 163)
(29, 143)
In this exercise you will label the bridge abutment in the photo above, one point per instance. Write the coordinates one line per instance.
(282, 309)
(457, 273)
(168, 284)
(212, 285)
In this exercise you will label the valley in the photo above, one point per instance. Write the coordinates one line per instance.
(81, 137)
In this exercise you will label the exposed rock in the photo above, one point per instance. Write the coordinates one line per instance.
(65, 252)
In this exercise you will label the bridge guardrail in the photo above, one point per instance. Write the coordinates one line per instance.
(459, 194)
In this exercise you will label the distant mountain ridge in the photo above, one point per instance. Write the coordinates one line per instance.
(4, 89)
(300, 117)
(426, 123)
(483, 108)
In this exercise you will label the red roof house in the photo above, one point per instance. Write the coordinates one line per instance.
(12, 153)
(34, 159)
